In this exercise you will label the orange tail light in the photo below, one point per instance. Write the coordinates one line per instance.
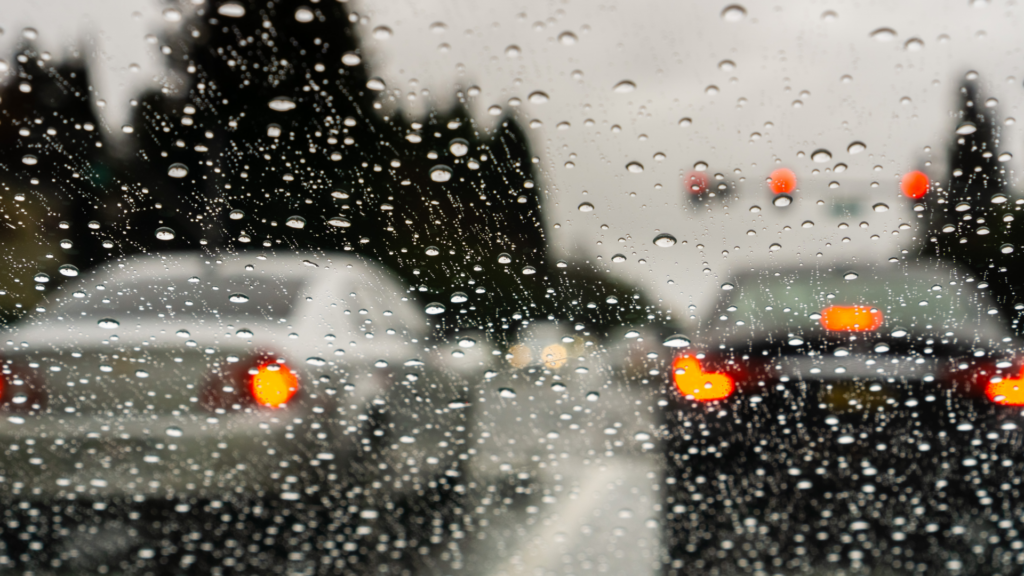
(1007, 392)
(851, 318)
(693, 382)
(273, 384)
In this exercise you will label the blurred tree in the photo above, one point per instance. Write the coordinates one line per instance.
(54, 175)
(286, 145)
(971, 220)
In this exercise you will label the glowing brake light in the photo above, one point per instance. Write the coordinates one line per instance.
(914, 185)
(693, 382)
(1008, 391)
(782, 181)
(696, 183)
(273, 384)
(851, 318)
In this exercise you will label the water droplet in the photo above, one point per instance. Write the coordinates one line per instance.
(41, 277)
(966, 128)
(108, 323)
(821, 155)
(734, 13)
(727, 286)
(880, 207)
(141, 374)
(375, 84)
(440, 173)
(243, 333)
(962, 207)
(281, 104)
(624, 87)
(174, 432)
(727, 65)
(182, 334)
(164, 233)
(1006, 248)
(504, 258)
(618, 258)
(434, 308)
(68, 270)
(850, 276)
(467, 343)
(304, 15)
(528, 270)
(65, 244)
(883, 34)
(677, 341)
(632, 334)
(755, 209)
(856, 147)
(458, 147)
(782, 200)
(913, 45)
(899, 333)
(297, 222)
(635, 167)
(506, 393)
(593, 396)
(586, 207)
(177, 170)
(238, 298)
(382, 33)
(351, 59)
(796, 342)
(432, 251)
(29, 160)
(539, 97)
(1005, 157)
(236, 215)
(567, 38)
(172, 15)
(665, 240)
(459, 297)
(339, 222)
(775, 248)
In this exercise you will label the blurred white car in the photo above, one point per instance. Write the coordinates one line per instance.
(193, 375)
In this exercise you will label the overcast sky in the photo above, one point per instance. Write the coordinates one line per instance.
(764, 87)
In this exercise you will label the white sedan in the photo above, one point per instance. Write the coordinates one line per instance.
(189, 375)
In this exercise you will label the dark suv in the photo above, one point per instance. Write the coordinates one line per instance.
(847, 419)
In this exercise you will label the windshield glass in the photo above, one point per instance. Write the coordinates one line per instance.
(403, 287)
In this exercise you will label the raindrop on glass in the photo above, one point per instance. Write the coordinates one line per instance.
(459, 297)
(281, 104)
(238, 298)
(539, 97)
(434, 308)
(883, 34)
(295, 222)
(821, 155)
(734, 13)
(236, 215)
(459, 147)
(856, 147)
(504, 258)
(177, 170)
(164, 233)
(677, 341)
(782, 200)
(665, 240)
(586, 207)
(624, 87)
(108, 323)
(440, 173)
(635, 167)
(880, 207)
(68, 270)
(231, 10)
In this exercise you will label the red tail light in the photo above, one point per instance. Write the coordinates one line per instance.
(1006, 391)
(693, 382)
(264, 382)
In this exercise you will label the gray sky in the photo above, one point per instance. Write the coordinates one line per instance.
(804, 75)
